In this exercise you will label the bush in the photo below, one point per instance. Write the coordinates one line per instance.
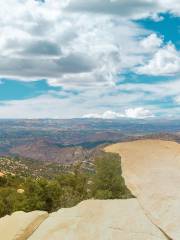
(108, 182)
(65, 190)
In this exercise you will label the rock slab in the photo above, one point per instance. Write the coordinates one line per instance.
(101, 220)
(151, 169)
(20, 225)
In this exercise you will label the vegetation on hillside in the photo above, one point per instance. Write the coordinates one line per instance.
(32, 168)
(66, 189)
(108, 182)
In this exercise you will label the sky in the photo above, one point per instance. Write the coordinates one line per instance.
(98, 58)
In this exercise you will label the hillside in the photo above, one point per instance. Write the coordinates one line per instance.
(66, 140)
(48, 152)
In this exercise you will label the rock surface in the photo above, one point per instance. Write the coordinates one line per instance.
(91, 219)
(20, 225)
(101, 220)
(151, 169)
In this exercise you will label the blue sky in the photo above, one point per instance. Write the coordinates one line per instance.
(105, 59)
(19, 90)
(168, 27)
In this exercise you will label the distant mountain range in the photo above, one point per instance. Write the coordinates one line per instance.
(67, 141)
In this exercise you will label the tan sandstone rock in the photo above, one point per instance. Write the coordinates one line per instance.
(151, 169)
(99, 220)
(20, 225)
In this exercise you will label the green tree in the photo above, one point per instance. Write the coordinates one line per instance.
(108, 182)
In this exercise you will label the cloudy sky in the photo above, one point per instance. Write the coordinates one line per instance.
(96, 58)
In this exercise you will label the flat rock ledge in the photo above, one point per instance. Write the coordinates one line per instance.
(20, 225)
(151, 169)
(89, 220)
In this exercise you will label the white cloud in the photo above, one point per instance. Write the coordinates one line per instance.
(78, 50)
(131, 9)
(172, 6)
(177, 99)
(135, 113)
(44, 41)
(157, 18)
(138, 112)
(38, 40)
(45, 106)
(156, 91)
(105, 115)
(166, 61)
(152, 42)
(71, 49)
(64, 105)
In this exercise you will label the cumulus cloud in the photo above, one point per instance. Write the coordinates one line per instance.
(172, 6)
(133, 9)
(45, 106)
(84, 45)
(67, 104)
(75, 63)
(151, 42)
(105, 115)
(138, 112)
(41, 48)
(135, 113)
(44, 41)
(166, 61)
(177, 99)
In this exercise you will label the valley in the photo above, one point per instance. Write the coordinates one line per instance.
(48, 147)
